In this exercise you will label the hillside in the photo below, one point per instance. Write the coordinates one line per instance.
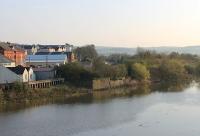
(122, 50)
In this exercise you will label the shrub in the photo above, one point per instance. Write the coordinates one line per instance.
(139, 72)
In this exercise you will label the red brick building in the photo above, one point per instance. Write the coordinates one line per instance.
(14, 53)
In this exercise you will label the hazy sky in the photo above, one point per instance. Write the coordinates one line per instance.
(102, 22)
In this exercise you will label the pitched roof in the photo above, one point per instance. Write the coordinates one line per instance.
(56, 53)
(42, 69)
(45, 58)
(42, 53)
(3, 59)
(5, 46)
(53, 53)
(19, 70)
(10, 47)
(17, 48)
(27, 46)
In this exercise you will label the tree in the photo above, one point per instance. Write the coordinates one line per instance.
(197, 70)
(86, 53)
(111, 71)
(139, 72)
(117, 58)
(75, 74)
(172, 71)
(118, 71)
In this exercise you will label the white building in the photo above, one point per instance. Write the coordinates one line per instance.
(26, 73)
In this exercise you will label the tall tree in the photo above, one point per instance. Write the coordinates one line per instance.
(86, 53)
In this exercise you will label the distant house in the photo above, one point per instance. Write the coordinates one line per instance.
(44, 73)
(69, 48)
(13, 52)
(26, 73)
(46, 49)
(55, 48)
(30, 49)
(70, 56)
(6, 62)
(8, 76)
(46, 60)
(43, 53)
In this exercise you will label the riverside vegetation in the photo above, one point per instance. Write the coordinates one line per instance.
(145, 66)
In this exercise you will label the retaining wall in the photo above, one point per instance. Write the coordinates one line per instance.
(107, 83)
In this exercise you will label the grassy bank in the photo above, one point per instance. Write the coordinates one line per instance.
(28, 94)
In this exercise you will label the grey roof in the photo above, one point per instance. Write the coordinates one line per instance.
(56, 53)
(19, 70)
(27, 46)
(5, 46)
(43, 69)
(3, 59)
(42, 53)
(53, 53)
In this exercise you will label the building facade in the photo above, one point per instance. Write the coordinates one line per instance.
(44, 73)
(13, 53)
(26, 73)
(6, 62)
(46, 60)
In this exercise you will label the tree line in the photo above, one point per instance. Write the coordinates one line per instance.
(144, 65)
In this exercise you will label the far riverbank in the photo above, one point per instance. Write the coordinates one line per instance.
(13, 99)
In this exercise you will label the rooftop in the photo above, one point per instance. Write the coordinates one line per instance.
(46, 58)
(42, 69)
(5, 46)
(19, 70)
(3, 59)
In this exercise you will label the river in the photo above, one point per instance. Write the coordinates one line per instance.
(151, 113)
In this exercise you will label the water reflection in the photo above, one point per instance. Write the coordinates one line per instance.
(98, 96)
(141, 111)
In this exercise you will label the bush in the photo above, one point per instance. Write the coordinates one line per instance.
(119, 71)
(139, 72)
(111, 71)
(19, 87)
(75, 74)
(172, 71)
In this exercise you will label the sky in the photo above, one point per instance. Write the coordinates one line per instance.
(124, 23)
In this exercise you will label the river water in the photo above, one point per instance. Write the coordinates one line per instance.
(169, 112)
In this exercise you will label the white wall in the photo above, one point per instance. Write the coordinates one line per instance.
(32, 76)
(25, 76)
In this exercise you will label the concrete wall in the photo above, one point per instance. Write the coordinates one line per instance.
(106, 83)
(7, 76)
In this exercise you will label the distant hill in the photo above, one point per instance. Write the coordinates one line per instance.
(131, 51)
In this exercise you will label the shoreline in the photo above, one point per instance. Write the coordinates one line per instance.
(66, 93)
